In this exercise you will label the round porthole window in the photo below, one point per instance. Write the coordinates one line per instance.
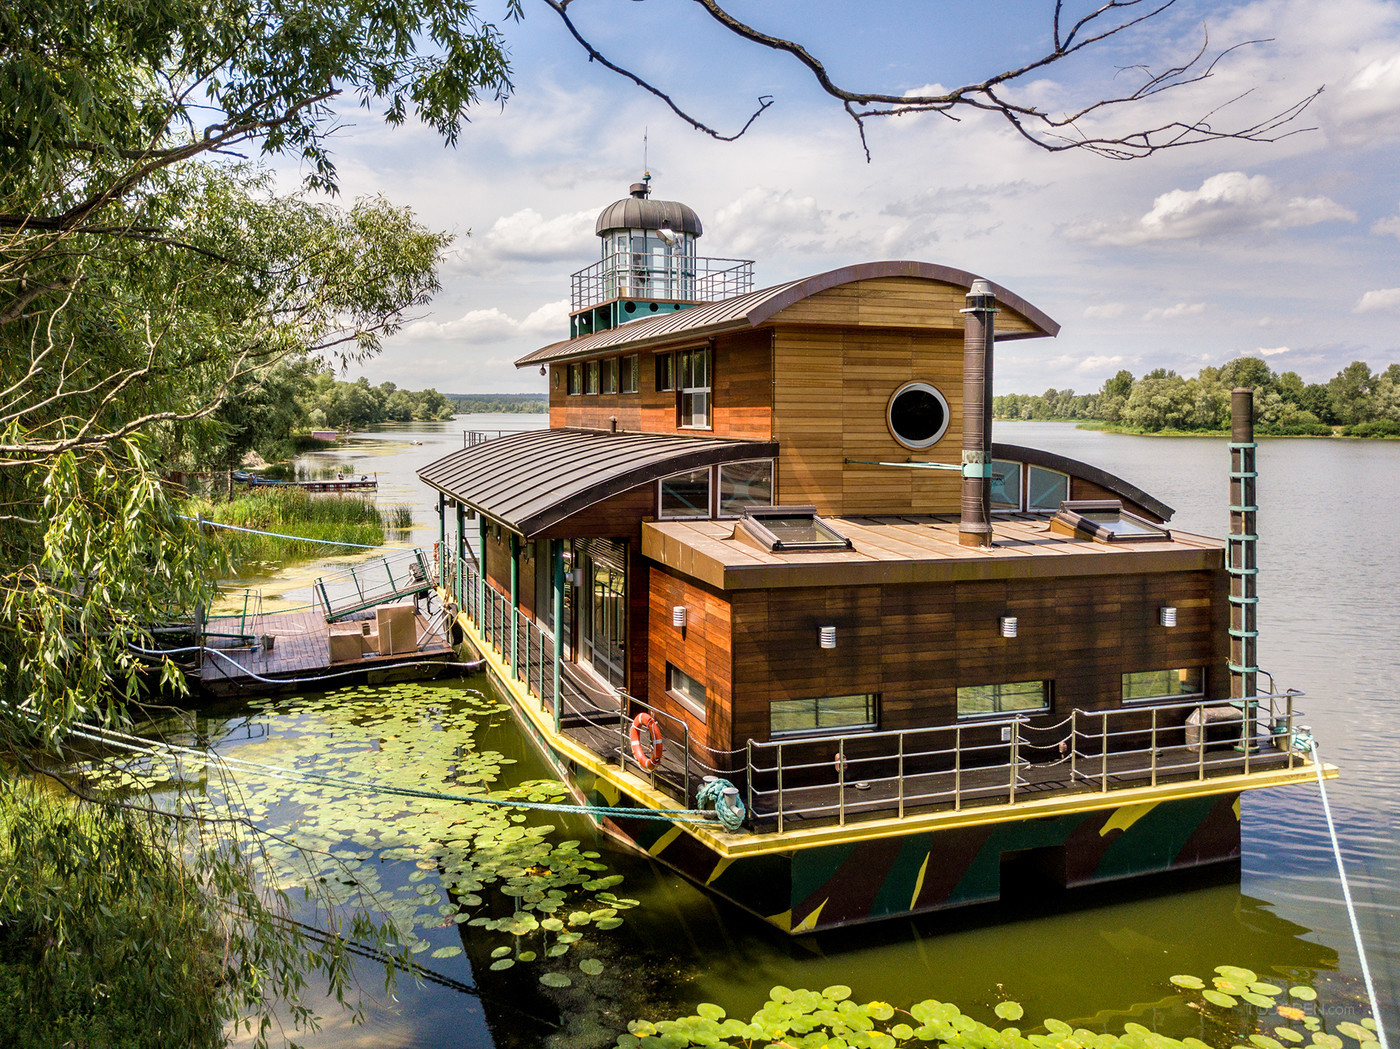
(917, 415)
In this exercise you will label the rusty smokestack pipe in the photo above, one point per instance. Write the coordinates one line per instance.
(1241, 549)
(975, 527)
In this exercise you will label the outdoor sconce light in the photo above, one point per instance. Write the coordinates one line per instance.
(1166, 615)
(827, 635)
(678, 617)
(544, 370)
(1008, 626)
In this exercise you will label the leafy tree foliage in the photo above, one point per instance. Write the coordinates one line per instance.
(156, 296)
(1363, 403)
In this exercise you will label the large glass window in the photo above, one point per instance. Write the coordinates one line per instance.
(1005, 698)
(609, 368)
(686, 495)
(790, 717)
(685, 688)
(1046, 489)
(1163, 684)
(694, 386)
(745, 484)
(629, 374)
(665, 372)
(590, 377)
(575, 378)
(1006, 485)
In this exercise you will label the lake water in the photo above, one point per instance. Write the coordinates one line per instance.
(1330, 625)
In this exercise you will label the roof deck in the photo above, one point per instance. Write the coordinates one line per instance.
(913, 549)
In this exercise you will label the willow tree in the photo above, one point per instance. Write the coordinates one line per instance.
(149, 274)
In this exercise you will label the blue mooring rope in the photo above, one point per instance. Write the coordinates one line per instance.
(724, 797)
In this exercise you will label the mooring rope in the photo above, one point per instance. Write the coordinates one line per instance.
(1311, 745)
(140, 745)
(281, 535)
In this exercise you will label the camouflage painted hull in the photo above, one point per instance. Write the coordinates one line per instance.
(867, 877)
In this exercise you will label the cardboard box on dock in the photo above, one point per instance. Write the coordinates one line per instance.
(346, 642)
(397, 628)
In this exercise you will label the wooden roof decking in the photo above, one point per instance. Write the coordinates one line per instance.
(911, 549)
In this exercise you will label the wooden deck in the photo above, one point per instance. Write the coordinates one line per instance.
(300, 658)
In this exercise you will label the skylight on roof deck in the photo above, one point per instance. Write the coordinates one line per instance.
(791, 528)
(1104, 521)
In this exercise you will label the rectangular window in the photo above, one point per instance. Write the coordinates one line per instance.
(575, 378)
(629, 374)
(1010, 697)
(693, 382)
(685, 495)
(1006, 485)
(685, 688)
(1163, 684)
(745, 484)
(590, 377)
(610, 375)
(665, 372)
(1046, 489)
(791, 717)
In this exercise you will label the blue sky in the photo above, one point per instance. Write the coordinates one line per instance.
(1290, 250)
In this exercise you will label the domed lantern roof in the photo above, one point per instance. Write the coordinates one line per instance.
(639, 212)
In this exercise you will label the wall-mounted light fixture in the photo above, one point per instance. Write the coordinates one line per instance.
(1166, 615)
(827, 636)
(1008, 626)
(678, 617)
(544, 370)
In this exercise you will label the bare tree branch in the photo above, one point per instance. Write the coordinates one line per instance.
(1038, 126)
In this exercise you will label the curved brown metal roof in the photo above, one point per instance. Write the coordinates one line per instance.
(644, 213)
(531, 481)
(756, 307)
(1102, 478)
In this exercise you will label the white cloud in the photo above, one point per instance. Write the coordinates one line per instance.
(1092, 364)
(1389, 224)
(1379, 299)
(480, 327)
(527, 236)
(1365, 106)
(1181, 309)
(1273, 351)
(1230, 202)
(1106, 311)
(766, 221)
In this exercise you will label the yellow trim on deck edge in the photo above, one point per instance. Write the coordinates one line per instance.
(735, 846)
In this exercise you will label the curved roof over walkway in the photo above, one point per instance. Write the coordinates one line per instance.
(531, 481)
(756, 307)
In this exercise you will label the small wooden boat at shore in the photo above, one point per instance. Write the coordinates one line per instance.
(338, 484)
(767, 559)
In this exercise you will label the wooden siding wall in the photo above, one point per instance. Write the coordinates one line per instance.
(703, 651)
(617, 517)
(893, 302)
(831, 390)
(741, 392)
(914, 645)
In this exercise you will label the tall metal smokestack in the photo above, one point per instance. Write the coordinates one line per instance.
(975, 528)
(1241, 553)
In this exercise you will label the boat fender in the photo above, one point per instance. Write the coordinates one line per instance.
(650, 755)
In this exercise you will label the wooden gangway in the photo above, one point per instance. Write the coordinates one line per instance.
(403, 574)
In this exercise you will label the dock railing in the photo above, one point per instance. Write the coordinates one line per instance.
(627, 274)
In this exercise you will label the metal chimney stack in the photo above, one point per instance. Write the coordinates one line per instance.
(1241, 547)
(975, 527)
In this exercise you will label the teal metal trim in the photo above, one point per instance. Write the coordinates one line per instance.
(1243, 600)
(1241, 538)
(1235, 668)
(1243, 446)
(912, 464)
(556, 557)
(1238, 475)
(1243, 633)
(1245, 509)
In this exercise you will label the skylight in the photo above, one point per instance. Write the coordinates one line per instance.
(1104, 521)
(789, 528)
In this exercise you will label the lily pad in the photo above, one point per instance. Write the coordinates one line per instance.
(1326, 1041)
(1263, 1001)
(1287, 1034)
(556, 980)
(592, 966)
(1303, 993)
(1009, 1010)
(1356, 1031)
(450, 951)
(1219, 998)
(1191, 983)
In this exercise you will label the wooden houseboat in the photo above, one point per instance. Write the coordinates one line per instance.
(767, 558)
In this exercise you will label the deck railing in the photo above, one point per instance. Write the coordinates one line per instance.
(873, 775)
(471, 438)
(626, 274)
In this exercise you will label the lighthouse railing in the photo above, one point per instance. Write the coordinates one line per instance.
(672, 278)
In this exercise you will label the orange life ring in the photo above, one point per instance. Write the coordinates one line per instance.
(647, 758)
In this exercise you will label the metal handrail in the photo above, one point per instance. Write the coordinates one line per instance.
(622, 274)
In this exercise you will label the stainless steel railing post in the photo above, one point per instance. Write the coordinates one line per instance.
(1154, 746)
(780, 788)
(901, 775)
(1103, 760)
(957, 768)
(1015, 757)
(841, 781)
(1201, 742)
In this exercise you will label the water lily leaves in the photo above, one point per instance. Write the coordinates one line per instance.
(1219, 998)
(1263, 1001)
(1238, 974)
(881, 1011)
(1190, 983)
(1009, 1010)
(1266, 988)
(502, 964)
(451, 951)
(1303, 993)
(555, 980)
(592, 966)
(1368, 1022)
(1326, 1041)
(1287, 1034)
(1263, 1041)
(1356, 1031)
(500, 952)
(1229, 986)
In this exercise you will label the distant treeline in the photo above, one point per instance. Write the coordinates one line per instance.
(1356, 401)
(504, 403)
(328, 402)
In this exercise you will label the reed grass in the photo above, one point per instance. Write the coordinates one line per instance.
(338, 517)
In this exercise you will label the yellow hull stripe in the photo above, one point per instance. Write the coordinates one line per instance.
(734, 846)
(659, 845)
(919, 883)
(720, 868)
(1126, 816)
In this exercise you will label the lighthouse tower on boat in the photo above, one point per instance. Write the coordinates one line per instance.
(648, 265)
